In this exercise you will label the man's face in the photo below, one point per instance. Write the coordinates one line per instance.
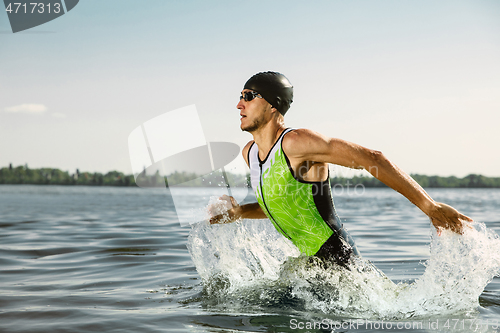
(253, 113)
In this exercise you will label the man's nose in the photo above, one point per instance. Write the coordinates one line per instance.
(240, 105)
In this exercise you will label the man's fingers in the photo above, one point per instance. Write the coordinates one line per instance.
(455, 227)
(216, 219)
(229, 199)
(466, 218)
(466, 221)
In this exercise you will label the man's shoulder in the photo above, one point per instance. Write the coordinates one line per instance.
(245, 150)
(300, 133)
(303, 143)
(247, 147)
(300, 137)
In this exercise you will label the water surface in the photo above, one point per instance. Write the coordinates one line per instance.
(83, 259)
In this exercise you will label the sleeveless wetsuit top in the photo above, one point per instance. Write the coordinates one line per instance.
(301, 211)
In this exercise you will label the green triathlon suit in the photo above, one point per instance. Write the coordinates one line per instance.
(301, 211)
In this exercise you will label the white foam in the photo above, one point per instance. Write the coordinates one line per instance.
(250, 260)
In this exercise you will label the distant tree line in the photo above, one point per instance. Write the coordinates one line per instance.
(49, 176)
(470, 181)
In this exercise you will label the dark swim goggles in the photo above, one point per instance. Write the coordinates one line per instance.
(249, 95)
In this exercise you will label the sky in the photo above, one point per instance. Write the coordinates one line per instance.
(418, 80)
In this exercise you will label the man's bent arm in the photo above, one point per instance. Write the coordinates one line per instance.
(248, 211)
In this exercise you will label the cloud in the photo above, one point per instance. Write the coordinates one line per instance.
(27, 108)
(58, 115)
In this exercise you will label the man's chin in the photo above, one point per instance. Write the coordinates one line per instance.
(243, 128)
(247, 129)
(250, 127)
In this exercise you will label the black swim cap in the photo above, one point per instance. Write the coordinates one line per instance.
(274, 87)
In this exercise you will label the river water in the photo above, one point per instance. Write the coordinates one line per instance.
(107, 259)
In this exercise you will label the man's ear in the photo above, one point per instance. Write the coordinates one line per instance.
(278, 102)
(273, 109)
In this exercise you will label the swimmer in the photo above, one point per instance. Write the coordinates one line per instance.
(290, 177)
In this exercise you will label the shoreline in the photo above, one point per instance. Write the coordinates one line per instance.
(23, 175)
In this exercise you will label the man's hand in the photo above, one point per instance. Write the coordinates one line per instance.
(228, 216)
(446, 217)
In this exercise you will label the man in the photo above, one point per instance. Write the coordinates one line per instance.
(289, 174)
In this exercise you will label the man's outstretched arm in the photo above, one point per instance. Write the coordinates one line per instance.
(306, 145)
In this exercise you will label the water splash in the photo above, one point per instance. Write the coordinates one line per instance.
(248, 264)
(456, 274)
(232, 256)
